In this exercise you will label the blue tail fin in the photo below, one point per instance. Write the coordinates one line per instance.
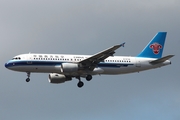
(154, 48)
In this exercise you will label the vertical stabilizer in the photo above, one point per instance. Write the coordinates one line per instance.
(154, 48)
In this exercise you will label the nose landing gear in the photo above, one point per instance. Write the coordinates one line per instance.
(28, 79)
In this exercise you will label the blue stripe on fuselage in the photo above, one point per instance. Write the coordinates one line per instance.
(54, 63)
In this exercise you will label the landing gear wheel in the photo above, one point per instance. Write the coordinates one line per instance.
(89, 77)
(28, 79)
(28, 75)
(80, 84)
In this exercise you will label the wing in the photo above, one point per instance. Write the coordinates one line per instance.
(91, 62)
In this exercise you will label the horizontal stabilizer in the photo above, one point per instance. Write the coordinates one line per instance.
(161, 60)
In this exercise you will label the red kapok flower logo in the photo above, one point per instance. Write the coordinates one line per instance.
(156, 48)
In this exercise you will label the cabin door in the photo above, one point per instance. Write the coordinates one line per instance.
(29, 59)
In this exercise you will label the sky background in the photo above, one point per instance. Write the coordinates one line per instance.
(87, 27)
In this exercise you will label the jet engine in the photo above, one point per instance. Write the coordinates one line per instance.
(69, 67)
(58, 78)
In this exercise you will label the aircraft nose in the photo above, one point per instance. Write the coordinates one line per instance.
(6, 65)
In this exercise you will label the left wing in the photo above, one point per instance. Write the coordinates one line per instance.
(91, 62)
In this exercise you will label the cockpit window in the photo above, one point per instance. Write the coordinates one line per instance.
(16, 58)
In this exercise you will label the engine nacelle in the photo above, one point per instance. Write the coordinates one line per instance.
(58, 78)
(69, 67)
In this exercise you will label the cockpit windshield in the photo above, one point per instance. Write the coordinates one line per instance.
(16, 58)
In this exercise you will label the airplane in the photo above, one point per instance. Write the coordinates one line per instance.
(64, 67)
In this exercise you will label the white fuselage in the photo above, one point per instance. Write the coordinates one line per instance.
(63, 67)
(51, 63)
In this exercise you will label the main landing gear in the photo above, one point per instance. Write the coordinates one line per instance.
(28, 79)
(89, 77)
(80, 83)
